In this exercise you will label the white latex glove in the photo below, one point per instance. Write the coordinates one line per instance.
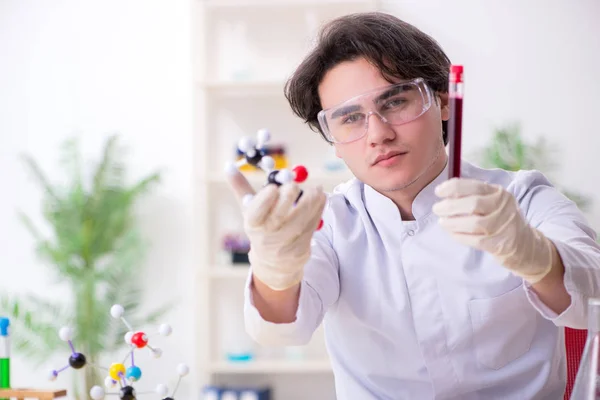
(487, 217)
(279, 232)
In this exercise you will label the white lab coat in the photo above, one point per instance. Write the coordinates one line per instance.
(409, 313)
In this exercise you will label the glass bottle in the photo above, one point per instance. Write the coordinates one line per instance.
(587, 380)
(4, 354)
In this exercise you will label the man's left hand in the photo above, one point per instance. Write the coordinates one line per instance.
(487, 217)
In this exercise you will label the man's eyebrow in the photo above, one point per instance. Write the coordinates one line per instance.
(392, 92)
(344, 110)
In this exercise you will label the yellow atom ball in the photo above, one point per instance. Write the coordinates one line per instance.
(116, 371)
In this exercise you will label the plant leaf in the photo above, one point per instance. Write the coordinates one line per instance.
(37, 322)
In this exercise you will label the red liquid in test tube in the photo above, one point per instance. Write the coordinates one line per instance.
(455, 99)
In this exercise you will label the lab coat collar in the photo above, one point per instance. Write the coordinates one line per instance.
(383, 210)
(426, 198)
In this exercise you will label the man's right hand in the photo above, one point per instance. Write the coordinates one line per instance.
(279, 229)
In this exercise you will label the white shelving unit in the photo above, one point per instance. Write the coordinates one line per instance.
(244, 51)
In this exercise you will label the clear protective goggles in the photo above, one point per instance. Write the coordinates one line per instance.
(396, 104)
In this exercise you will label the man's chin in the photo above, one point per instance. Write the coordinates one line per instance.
(398, 183)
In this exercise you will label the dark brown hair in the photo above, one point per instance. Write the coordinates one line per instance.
(399, 50)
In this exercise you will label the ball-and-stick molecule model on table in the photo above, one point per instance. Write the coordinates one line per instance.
(254, 154)
(119, 373)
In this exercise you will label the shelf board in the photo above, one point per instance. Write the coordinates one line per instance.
(244, 88)
(216, 85)
(228, 272)
(225, 4)
(258, 178)
(272, 367)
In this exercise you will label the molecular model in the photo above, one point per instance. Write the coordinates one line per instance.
(118, 373)
(255, 155)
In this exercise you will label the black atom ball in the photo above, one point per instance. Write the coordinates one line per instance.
(255, 159)
(272, 178)
(168, 398)
(77, 360)
(127, 393)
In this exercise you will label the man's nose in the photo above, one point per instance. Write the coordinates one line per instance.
(378, 130)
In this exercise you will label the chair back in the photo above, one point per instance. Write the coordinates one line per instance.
(574, 344)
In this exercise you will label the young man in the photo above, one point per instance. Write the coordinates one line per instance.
(428, 287)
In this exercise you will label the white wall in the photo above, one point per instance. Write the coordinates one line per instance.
(92, 68)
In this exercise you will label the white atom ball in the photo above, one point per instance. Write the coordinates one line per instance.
(128, 337)
(268, 162)
(117, 311)
(97, 393)
(157, 352)
(246, 144)
(109, 382)
(161, 389)
(165, 330)
(183, 370)
(65, 333)
(285, 176)
(52, 375)
(263, 135)
(230, 168)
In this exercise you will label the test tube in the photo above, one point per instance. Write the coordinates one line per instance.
(455, 102)
(4, 354)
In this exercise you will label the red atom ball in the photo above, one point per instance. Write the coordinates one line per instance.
(320, 225)
(300, 173)
(139, 339)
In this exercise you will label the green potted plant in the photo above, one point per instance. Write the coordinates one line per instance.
(96, 249)
(509, 151)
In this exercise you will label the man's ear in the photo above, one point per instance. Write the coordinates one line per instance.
(444, 106)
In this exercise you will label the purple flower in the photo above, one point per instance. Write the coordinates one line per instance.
(236, 242)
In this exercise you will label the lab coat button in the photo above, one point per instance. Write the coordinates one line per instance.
(411, 232)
